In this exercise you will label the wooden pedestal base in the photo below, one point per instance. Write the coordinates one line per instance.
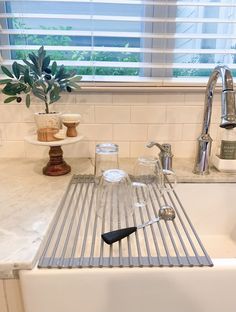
(56, 165)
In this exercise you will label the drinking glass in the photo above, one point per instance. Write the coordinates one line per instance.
(146, 171)
(149, 170)
(106, 157)
(114, 198)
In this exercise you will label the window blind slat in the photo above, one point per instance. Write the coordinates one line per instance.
(61, 32)
(141, 2)
(116, 18)
(129, 64)
(117, 49)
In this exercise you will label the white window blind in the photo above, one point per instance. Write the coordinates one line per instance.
(120, 40)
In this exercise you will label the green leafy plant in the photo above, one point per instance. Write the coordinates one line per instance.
(39, 78)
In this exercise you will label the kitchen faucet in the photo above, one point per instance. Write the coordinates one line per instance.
(228, 115)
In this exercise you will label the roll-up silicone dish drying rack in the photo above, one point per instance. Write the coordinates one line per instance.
(74, 240)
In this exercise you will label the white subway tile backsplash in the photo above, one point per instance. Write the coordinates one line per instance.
(194, 99)
(94, 98)
(80, 149)
(191, 132)
(148, 114)
(184, 114)
(167, 98)
(129, 132)
(130, 99)
(112, 114)
(17, 131)
(93, 132)
(86, 111)
(124, 149)
(165, 132)
(184, 149)
(11, 113)
(129, 119)
(28, 114)
(66, 98)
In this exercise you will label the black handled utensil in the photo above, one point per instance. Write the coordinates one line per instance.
(165, 213)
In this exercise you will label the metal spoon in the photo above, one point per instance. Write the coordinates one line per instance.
(166, 213)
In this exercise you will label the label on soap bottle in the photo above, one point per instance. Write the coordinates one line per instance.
(228, 149)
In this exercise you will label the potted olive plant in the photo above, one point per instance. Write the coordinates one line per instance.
(43, 80)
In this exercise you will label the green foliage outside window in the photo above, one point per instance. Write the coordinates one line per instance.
(55, 40)
(74, 55)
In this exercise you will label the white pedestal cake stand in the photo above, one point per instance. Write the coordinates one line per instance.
(56, 165)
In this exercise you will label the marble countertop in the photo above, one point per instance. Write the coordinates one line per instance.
(29, 200)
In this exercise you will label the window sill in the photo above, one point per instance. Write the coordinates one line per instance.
(138, 84)
(147, 85)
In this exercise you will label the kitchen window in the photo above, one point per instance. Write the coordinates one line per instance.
(125, 40)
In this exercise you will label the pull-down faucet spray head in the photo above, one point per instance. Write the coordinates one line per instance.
(228, 117)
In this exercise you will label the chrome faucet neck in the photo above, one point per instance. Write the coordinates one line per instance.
(228, 115)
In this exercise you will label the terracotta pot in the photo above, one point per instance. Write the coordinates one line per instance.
(47, 125)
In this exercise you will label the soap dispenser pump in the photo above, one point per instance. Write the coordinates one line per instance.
(165, 154)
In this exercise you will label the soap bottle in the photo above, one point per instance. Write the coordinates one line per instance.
(228, 144)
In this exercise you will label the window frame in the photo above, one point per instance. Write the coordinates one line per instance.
(148, 83)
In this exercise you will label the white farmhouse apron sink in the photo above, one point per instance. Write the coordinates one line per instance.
(212, 210)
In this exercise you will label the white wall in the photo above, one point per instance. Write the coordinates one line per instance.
(129, 119)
